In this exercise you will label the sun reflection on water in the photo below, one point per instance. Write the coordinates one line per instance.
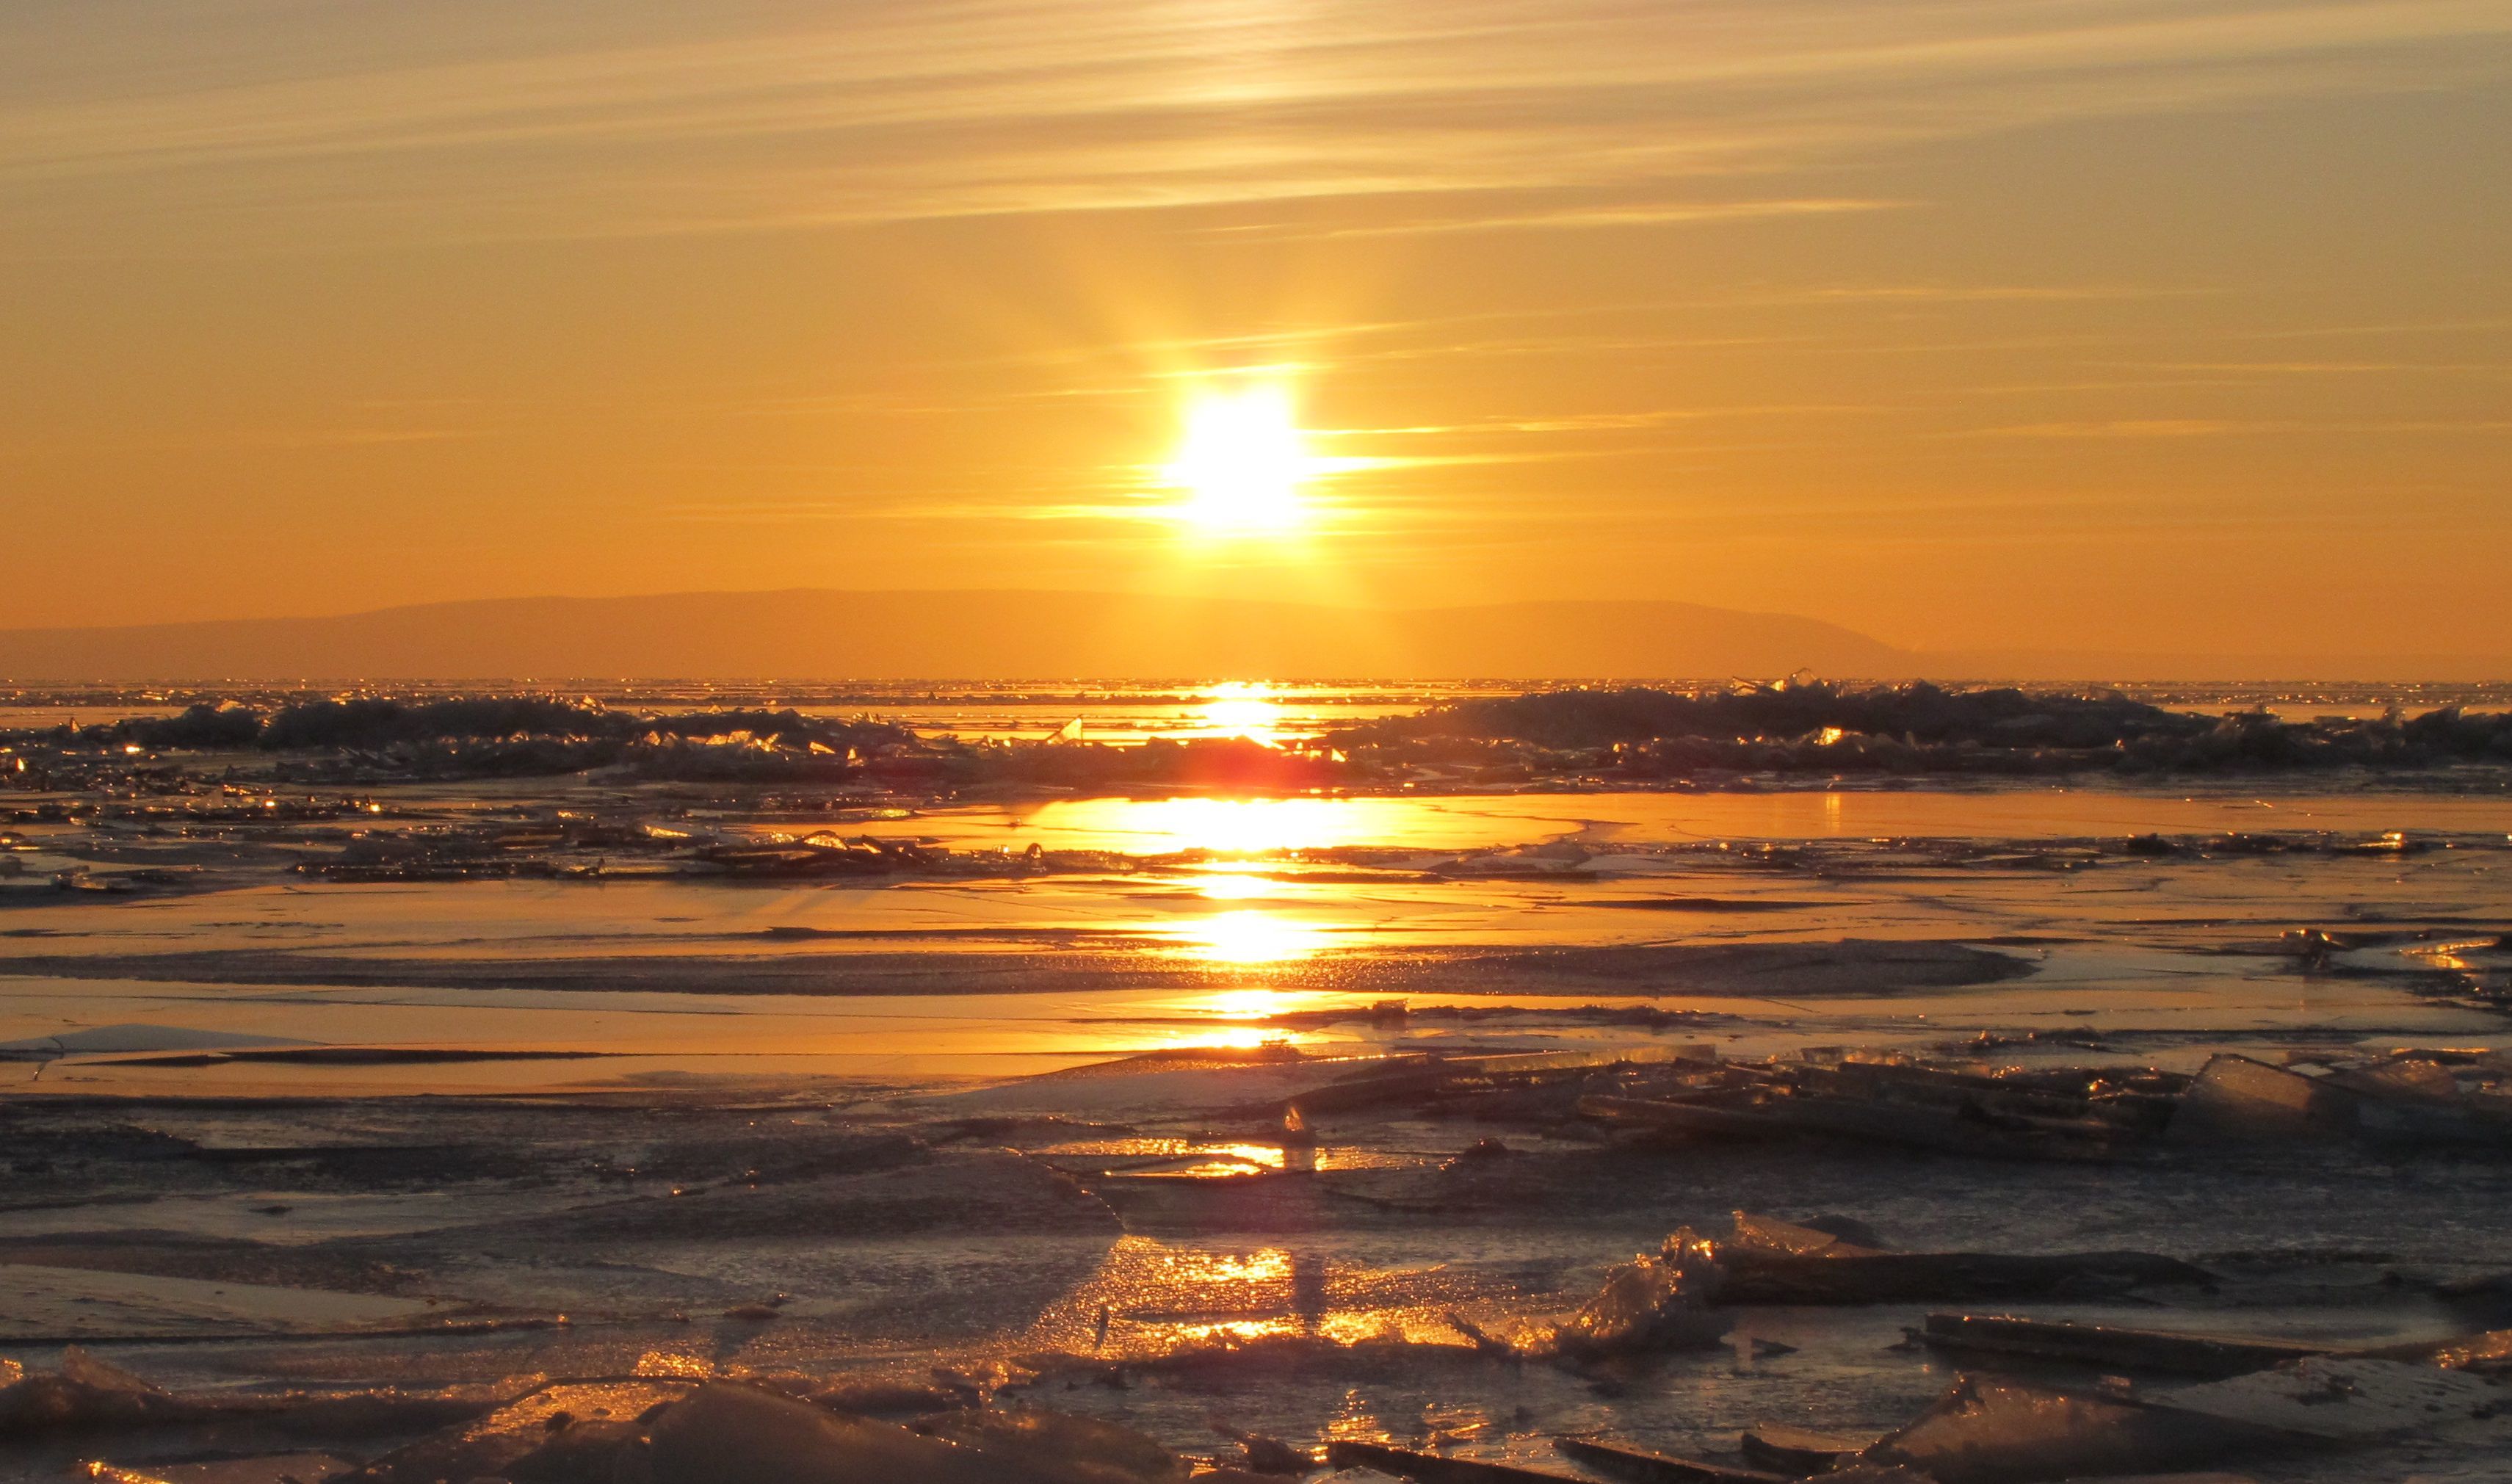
(1243, 1019)
(1248, 936)
(1225, 827)
(1243, 1005)
(1244, 708)
(1231, 1038)
(1228, 885)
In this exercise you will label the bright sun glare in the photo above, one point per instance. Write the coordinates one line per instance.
(1243, 462)
(1245, 709)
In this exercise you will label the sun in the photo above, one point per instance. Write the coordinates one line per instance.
(1242, 463)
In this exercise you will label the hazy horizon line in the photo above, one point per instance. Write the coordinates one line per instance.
(1959, 653)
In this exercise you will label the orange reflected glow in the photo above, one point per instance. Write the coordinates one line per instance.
(671, 1363)
(1228, 1163)
(1161, 1296)
(1235, 1330)
(1264, 1267)
(2453, 956)
(1270, 1265)
(1343, 1328)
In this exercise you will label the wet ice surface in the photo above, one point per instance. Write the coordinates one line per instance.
(863, 1128)
(1207, 914)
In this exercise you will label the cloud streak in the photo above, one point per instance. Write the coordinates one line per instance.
(561, 119)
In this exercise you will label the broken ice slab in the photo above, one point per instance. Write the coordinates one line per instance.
(1657, 1303)
(2237, 1099)
(1265, 1455)
(2112, 1349)
(269, 1468)
(1431, 1468)
(2240, 1098)
(1755, 1276)
(2405, 1077)
(1994, 1431)
(2350, 1398)
(1186, 1080)
(1415, 1077)
(2108, 1348)
(729, 1434)
(50, 1304)
(1991, 1431)
(1834, 1236)
(87, 1395)
(1057, 1442)
(1761, 1114)
(535, 1427)
(2049, 1114)
(1769, 1260)
(1794, 1451)
(1643, 1466)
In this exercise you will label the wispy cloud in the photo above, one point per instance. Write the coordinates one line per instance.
(1604, 422)
(2205, 427)
(538, 117)
(1991, 294)
(2339, 367)
(1589, 217)
(2127, 427)
(350, 438)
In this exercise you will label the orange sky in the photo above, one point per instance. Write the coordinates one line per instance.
(2064, 323)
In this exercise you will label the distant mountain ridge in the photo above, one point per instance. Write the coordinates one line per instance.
(816, 633)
